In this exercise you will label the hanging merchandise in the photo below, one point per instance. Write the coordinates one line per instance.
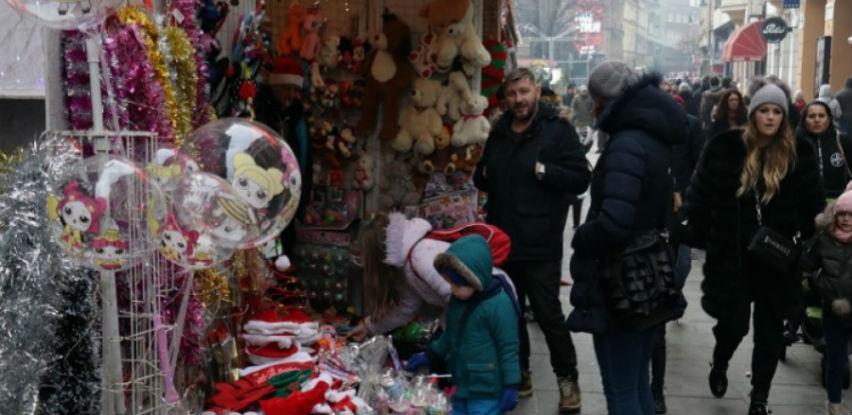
(474, 127)
(389, 75)
(453, 95)
(457, 36)
(261, 168)
(420, 122)
(290, 39)
(97, 211)
(65, 14)
(494, 74)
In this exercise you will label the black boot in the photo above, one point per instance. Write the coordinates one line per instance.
(718, 379)
(758, 408)
(659, 403)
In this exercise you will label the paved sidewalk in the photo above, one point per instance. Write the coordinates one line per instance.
(795, 391)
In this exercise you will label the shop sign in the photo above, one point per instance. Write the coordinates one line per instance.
(791, 4)
(774, 29)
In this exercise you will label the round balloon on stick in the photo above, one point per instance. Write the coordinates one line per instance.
(97, 211)
(65, 14)
(194, 233)
(261, 168)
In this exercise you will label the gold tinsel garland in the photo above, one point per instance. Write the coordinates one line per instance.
(213, 288)
(183, 61)
(8, 161)
(131, 15)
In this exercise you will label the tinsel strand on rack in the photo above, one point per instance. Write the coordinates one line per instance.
(34, 275)
(185, 77)
(75, 72)
(202, 43)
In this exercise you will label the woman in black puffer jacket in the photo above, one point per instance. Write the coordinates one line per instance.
(816, 127)
(747, 178)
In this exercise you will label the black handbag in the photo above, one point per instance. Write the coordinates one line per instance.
(770, 247)
(641, 285)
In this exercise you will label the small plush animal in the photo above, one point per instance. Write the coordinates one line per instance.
(444, 159)
(329, 55)
(311, 24)
(453, 95)
(364, 176)
(290, 40)
(473, 127)
(457, 36)
(420, 123)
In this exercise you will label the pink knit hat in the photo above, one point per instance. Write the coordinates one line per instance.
(844, 202)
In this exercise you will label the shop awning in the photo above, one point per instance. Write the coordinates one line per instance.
(746, 44)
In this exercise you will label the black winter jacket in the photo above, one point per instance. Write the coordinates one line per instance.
(832, 165)
(829, 260)
(687, 154)
(530, 210)
(725, 223)
(630, 191)
(844, 98)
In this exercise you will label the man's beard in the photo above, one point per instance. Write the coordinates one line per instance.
(533, 108)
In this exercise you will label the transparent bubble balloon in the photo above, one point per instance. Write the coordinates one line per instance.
(65, 14)
(261, 168)
(169, 167)
(195, 232)
(99, 212)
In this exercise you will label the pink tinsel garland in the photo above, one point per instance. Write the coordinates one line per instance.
(202, 43)
(78, 103)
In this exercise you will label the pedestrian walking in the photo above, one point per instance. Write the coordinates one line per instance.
(730, 113)
(628, 199)
(480, 344)
(758, 82)
(532, 160)
(828, 257)
(827, 96)
(817, 128)
(799, 101)
(709, 99)
(581, 108)
(749, 185)
(844, 98)
(689, 102)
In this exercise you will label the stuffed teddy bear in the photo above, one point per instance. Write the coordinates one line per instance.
(290, 39)
(311, 24)
(360, 49)
(364, 177)
(329, 55)
(398, 190)
(467, 157)
(389, 75)
(425, 56)
(339, 140)
(444, 159)
(420, 122)
(453, 94)
(473, 128)
(453, 21)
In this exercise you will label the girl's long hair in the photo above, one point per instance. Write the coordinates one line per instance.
(778, 158)
(723, 112)
(383, 283)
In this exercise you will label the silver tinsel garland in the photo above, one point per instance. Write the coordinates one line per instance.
(35, 281)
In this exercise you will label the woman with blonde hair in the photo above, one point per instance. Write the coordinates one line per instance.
(758, 181)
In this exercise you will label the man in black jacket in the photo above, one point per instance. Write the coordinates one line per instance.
(533, 159)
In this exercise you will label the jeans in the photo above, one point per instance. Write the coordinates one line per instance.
(836, 334)
(658, 361)
(623, 357)
(768, 343)
(539, 280)
(476, 407)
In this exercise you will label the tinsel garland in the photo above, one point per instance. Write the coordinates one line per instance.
(202, 43)
(190, 342)
(186, 79)
(34, 275)
(138, 97)
(213, 288)
(75, 72)
(8, 161)
(146, 33)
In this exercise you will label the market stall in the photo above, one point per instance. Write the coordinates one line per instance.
(190, 221)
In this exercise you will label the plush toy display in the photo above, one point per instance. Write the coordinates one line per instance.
(290, 39)
(397, 188)
(425, 56)
(364, 177)
(453, 94)
(328, 53)
(444, 159)
(467, 157)
(453, 21)
(389, 75)
(420, 122)
(473, 128)
(311, 24)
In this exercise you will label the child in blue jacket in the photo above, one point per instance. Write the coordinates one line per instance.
(480, 344)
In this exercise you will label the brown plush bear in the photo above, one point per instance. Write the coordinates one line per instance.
(444, 158)
(389, 76)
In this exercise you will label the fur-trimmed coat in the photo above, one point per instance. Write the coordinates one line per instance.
(725, 224)
(829, 259)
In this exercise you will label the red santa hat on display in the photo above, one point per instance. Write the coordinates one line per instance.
(285, 71)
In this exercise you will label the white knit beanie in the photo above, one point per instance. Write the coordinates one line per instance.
(769, 94)
(610, 79)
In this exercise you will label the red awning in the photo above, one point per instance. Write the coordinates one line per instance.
(746, 44)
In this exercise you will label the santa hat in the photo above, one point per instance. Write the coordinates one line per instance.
(285, 71)
(844, 202)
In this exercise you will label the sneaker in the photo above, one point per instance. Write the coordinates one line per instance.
(526, 389)
(660, 404)
(836, 409)
(718, 380)
(758, 408)
(569, 396)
